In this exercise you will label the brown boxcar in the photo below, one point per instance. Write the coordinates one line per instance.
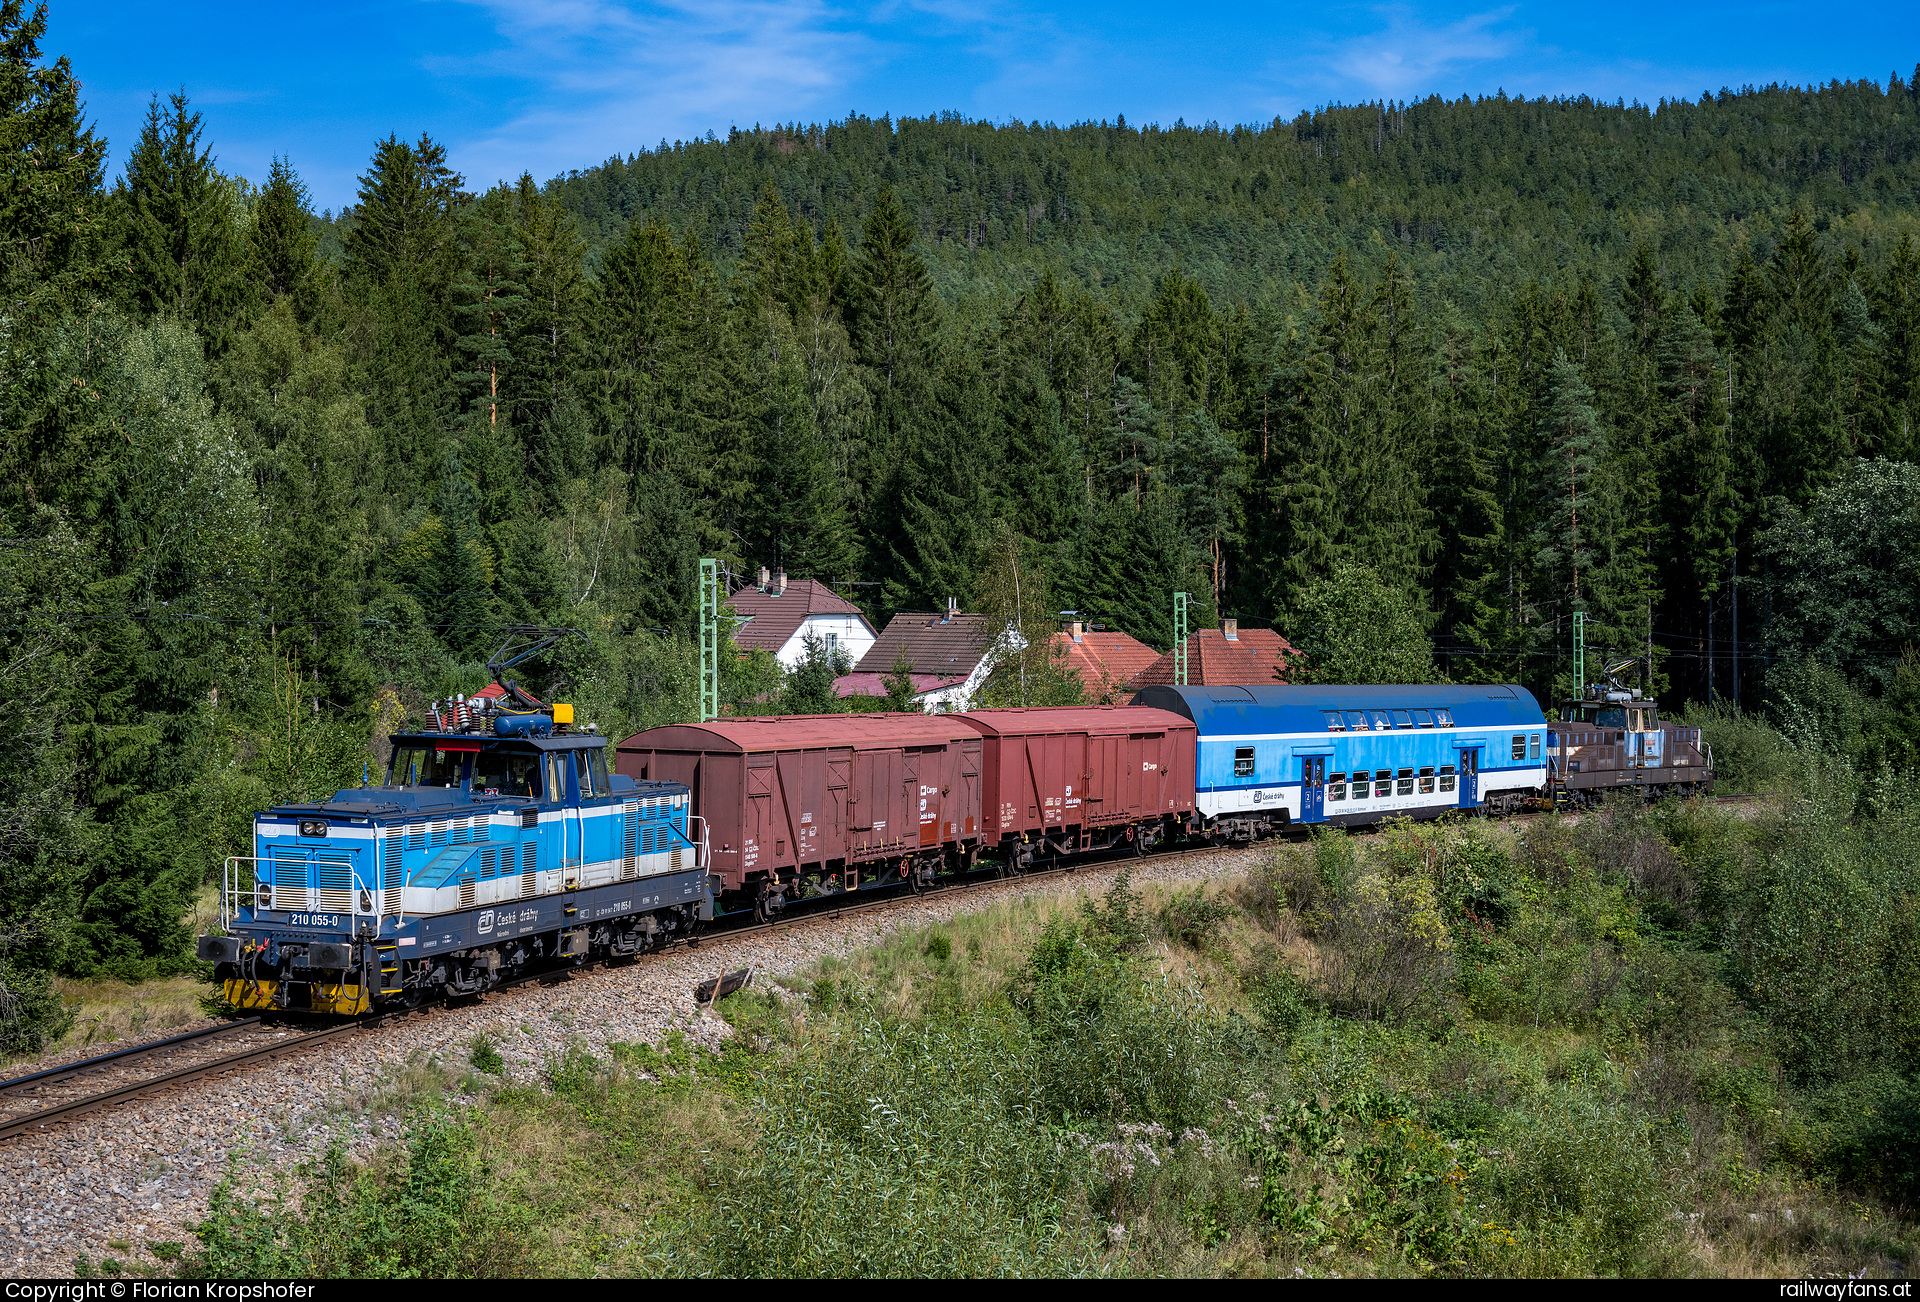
(818, 793)
(1083, 778)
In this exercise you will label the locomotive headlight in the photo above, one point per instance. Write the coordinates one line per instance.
(313, 827)
(266, 896)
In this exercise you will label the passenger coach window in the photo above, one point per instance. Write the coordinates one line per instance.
(1243, 762)
(1520, 747)
(1337, 786)
(1444, 718)
(1334, 723)
(1406, 782)
(1357, 720)
(1382, 783)
(1446, 777)
(1423, 718)
(1533, 745)
(1426, 781)
(1401, 719)
(1380, 720)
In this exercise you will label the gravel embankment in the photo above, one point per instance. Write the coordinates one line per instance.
(142, 1172)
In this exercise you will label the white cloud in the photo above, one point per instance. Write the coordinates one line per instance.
(1411, 57)
(608, 78)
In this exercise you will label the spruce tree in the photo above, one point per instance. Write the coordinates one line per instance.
(283, 255)
(183, 230)
(402, 259)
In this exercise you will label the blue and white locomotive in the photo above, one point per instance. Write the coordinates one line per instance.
(498, 840)
(1274, 756)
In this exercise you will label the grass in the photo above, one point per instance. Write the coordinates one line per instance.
(1454, 1051)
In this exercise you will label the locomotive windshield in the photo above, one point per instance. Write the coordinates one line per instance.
(1611, 716)
(508, 773)
(427, 766)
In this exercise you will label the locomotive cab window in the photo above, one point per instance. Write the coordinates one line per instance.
(1243, 762)
(1334, 722)
(1426, 781)
(1520, 747)
(1423, 718)
(1336, 786)
(591, 776)
(427, 766)
(1446, 777)
(509, 773)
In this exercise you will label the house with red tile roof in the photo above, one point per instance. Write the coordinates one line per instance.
(1228, 655)
(1108, 661)
(945, 654)
(779, 616)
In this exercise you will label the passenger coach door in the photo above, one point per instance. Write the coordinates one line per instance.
(1313, 788)
(1469, 779)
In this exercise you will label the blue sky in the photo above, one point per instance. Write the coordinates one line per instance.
(548, 85)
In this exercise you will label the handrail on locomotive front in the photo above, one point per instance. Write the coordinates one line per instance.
(234, 896)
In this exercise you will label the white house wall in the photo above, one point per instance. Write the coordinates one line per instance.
(855, 638)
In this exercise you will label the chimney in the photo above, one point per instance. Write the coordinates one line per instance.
(948, 619)
(762, 584)
(779, 582)
(1230, 629)
(1076, 630)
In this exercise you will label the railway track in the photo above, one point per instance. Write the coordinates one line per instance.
(57, 1095)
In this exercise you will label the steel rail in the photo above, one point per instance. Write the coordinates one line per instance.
(52, 1074)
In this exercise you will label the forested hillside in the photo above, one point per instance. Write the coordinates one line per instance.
(271, 480)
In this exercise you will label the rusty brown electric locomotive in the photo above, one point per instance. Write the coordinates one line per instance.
(1612, 738)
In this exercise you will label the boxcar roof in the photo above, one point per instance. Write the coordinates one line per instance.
(1286, 709)
(803, 732)
(1098, 719)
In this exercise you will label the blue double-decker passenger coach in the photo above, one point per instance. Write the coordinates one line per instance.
(1272, 756)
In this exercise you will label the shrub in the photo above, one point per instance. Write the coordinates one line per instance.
(1386, 952)
(434, 1213)
(1281, 1000)
(1581, 1179)
(1749, 755)
(485, 1055)
(939, 947)
(940, 1126)
(1193, 918)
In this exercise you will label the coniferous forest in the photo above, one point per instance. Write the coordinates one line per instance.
(273, 478)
